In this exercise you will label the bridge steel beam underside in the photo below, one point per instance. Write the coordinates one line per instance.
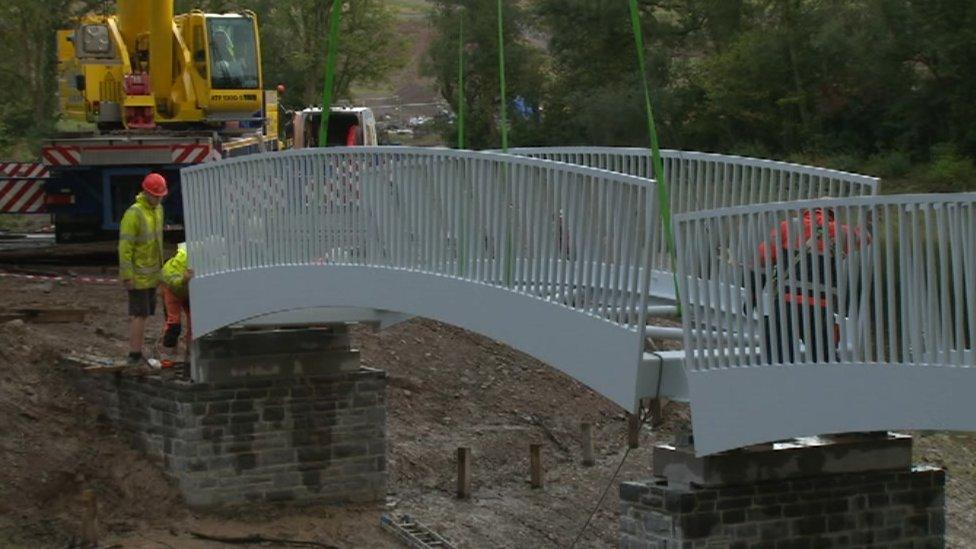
(596, 352)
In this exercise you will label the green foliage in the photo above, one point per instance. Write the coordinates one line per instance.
(6, 139)
(840, 80)
(875, 86)
(843, 161)
(890, 165)
(594, 95)
(753, 150)
(295, 36)
(524, 68)
(949, 171)
(28, 60)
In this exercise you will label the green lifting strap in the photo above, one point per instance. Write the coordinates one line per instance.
(509, 243)
(330, 62)
(501, 78)
(662, 190)
(462, 248)
(461, 78)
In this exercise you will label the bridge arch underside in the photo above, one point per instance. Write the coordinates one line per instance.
(594, 351)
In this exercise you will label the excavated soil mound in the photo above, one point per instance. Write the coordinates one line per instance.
(53, 445)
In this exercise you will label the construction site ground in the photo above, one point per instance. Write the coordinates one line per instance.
(447, 388)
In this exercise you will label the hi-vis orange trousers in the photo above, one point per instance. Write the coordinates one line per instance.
(175, 307)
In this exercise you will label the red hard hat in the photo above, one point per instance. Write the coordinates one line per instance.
(155, 185)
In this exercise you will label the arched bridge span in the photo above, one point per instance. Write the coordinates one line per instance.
(559, 253)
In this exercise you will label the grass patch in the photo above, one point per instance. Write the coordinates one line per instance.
(411, 9)
(382, 90)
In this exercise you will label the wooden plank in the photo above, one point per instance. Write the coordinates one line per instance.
(464, 473)
(103, 369)
(655, 407)
(633, 430)
(92, 364)
(44, 316)
(535, 458)
(89, 360)
(89, 519)
(587, 431)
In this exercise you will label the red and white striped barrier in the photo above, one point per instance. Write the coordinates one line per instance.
(22, 187)
(190, 154)
(47, 278)
(57, 155)
(181, 153)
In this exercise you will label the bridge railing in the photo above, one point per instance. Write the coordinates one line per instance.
(704, 181)
(575, 236)
(879, 280)
(699, 181)
(829, 316)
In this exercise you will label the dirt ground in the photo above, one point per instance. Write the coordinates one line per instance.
(448, 388)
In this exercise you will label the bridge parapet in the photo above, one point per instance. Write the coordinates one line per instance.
(698, 181)
(705, 181)
(533, 227)
(567, 262)
(552, 259)
(824, 316)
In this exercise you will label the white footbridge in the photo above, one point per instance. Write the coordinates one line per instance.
(805, 302)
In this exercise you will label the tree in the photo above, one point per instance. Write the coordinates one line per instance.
(766, 77)
(295, 39)
(939, 41)
(595, 95)
(28, 60)
(524, 69)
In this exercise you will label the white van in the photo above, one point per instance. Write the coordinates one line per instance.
(348, 127)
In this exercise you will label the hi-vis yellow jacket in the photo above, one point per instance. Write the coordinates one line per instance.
(141, 244)
(174, 272)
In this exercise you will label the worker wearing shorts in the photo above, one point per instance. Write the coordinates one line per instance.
(140, 258)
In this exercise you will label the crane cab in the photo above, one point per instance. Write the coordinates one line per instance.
(225, 55)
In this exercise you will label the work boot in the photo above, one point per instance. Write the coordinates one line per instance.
(168, 357)
(134, 359)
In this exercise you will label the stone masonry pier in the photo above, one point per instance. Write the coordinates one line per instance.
(256, 438)
(854, 493)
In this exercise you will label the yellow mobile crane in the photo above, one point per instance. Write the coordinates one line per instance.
(146, 68)
(166, 91)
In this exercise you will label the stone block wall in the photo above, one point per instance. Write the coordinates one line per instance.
(261, 439)
(874, 509)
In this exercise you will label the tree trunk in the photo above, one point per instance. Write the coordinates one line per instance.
(789, 20)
